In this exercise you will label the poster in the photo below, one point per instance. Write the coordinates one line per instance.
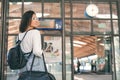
(52, 50)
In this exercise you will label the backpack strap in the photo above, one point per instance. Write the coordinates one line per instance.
(19, 41)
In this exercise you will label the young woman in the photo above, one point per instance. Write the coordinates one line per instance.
(32, 40)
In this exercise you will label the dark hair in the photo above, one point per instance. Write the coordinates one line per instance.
(26, 20)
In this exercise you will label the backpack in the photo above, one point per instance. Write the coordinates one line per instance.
(16, 57)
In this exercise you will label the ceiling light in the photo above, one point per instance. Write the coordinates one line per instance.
(79, 42)
(106, 16)
(19, 3)
(101, 44)
(40, 14)
(77, 45)
(93, 57)
(77, 78)
(98, 39)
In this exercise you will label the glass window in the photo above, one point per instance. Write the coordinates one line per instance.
(11, 41)
(13, 26)
(115, 27)
(114, 11)
(52, 10)
(68, 58)
(11, 74)
(67, 10)
(0, 8)
(104, 8)
(0, 38)
(79, 10)
(104, 11)
(67, 25)
(117, 56)
(35, 6)
(0, 30)
(84, 24)
(102, 26)
(53, 55)
(81, 26)
(15, 9)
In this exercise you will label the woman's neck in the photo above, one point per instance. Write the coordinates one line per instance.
(29, 28)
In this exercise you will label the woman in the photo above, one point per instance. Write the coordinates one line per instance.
(32, 40)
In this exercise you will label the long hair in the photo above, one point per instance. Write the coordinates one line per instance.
(26, 20)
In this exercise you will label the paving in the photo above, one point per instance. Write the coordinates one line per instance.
(77, 76)
(92, 76)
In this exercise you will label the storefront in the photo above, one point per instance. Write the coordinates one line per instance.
(63, 22)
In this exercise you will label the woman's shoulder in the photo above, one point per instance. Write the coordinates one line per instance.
(34, 31)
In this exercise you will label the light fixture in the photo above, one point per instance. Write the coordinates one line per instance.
(104, 16)
(77, 45)
(102, 44)
(40, 14)
(19, 3)
(79, 42)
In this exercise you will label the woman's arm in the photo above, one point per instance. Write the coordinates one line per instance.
(37, 49)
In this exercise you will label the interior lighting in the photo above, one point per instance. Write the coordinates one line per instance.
(93, 57)
(77, 45)
(101, 44)
(98, 39)
(40, 14)
(19, 3)
(77, 78)
(104, 16)
(79, 42)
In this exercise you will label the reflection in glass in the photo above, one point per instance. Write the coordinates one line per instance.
(79, 10)
(81, 26)
(114, 11)
(68, 59)
(53, 55)
(115, 27)
(0, 28)
(53, 9)
(94, 55)
(13, 26)
(35, 6)
(0, 8)
(67, 10)
(11, 41)
(15, 9)
(102, 26)
(117, 56)
(11, 74)
(104, 8)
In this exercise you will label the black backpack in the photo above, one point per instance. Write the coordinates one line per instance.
(16, 57)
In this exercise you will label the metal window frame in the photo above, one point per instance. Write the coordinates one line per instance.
(4, 35)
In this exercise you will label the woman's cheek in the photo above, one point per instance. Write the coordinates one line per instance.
(38, 23)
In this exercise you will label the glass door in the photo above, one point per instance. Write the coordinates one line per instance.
(116, 57)
(52, 46)
(49, 19)
(77, 22)
(92, 56)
